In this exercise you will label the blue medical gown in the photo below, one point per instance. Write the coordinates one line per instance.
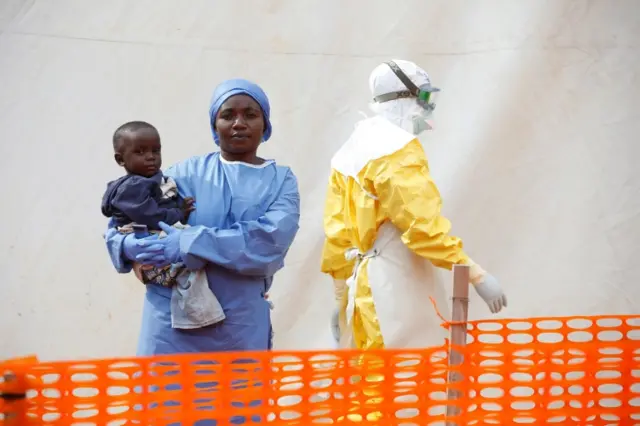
(245, 220)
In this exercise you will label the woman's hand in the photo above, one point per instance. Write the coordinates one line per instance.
(164, 251)
(133, 248)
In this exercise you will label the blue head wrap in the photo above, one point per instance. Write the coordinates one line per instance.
(239, 86)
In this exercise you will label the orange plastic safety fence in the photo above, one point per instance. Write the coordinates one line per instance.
(563, 371)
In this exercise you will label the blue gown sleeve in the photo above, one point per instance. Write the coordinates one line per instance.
(114, 240)
(254, 247)
(134, 199)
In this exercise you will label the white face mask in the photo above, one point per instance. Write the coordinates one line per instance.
(420, 121)
(406, 114)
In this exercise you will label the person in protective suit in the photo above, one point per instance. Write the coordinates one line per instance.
(383, 227)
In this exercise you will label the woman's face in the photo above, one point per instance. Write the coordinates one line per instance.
(240, 125)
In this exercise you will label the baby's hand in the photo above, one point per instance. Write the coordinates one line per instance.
(188, 206)
(189, 203)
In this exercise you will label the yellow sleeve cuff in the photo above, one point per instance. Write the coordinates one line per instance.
(476, 273)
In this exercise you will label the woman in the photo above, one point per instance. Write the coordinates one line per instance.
(246, 217)
(384, 231)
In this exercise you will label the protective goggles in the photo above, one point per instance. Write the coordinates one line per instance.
(425, 94)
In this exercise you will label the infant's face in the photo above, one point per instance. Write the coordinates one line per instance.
(142, 153)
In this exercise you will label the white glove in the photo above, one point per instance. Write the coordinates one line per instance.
(335, 324)
(339, 290)
(491, 293)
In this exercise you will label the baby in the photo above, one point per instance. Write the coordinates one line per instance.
(144, 196)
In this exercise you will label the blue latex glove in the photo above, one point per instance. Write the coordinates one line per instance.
(168, 251)
(133, 248)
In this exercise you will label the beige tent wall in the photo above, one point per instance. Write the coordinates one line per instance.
(535, 151)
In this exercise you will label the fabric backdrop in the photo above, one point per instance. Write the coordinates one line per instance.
(535, 148)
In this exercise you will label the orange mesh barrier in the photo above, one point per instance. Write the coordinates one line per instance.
(564, 371)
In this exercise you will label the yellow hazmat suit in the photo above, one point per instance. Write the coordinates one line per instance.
(384, 233)
(385, 218)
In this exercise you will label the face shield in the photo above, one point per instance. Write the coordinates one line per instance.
(425, 97)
